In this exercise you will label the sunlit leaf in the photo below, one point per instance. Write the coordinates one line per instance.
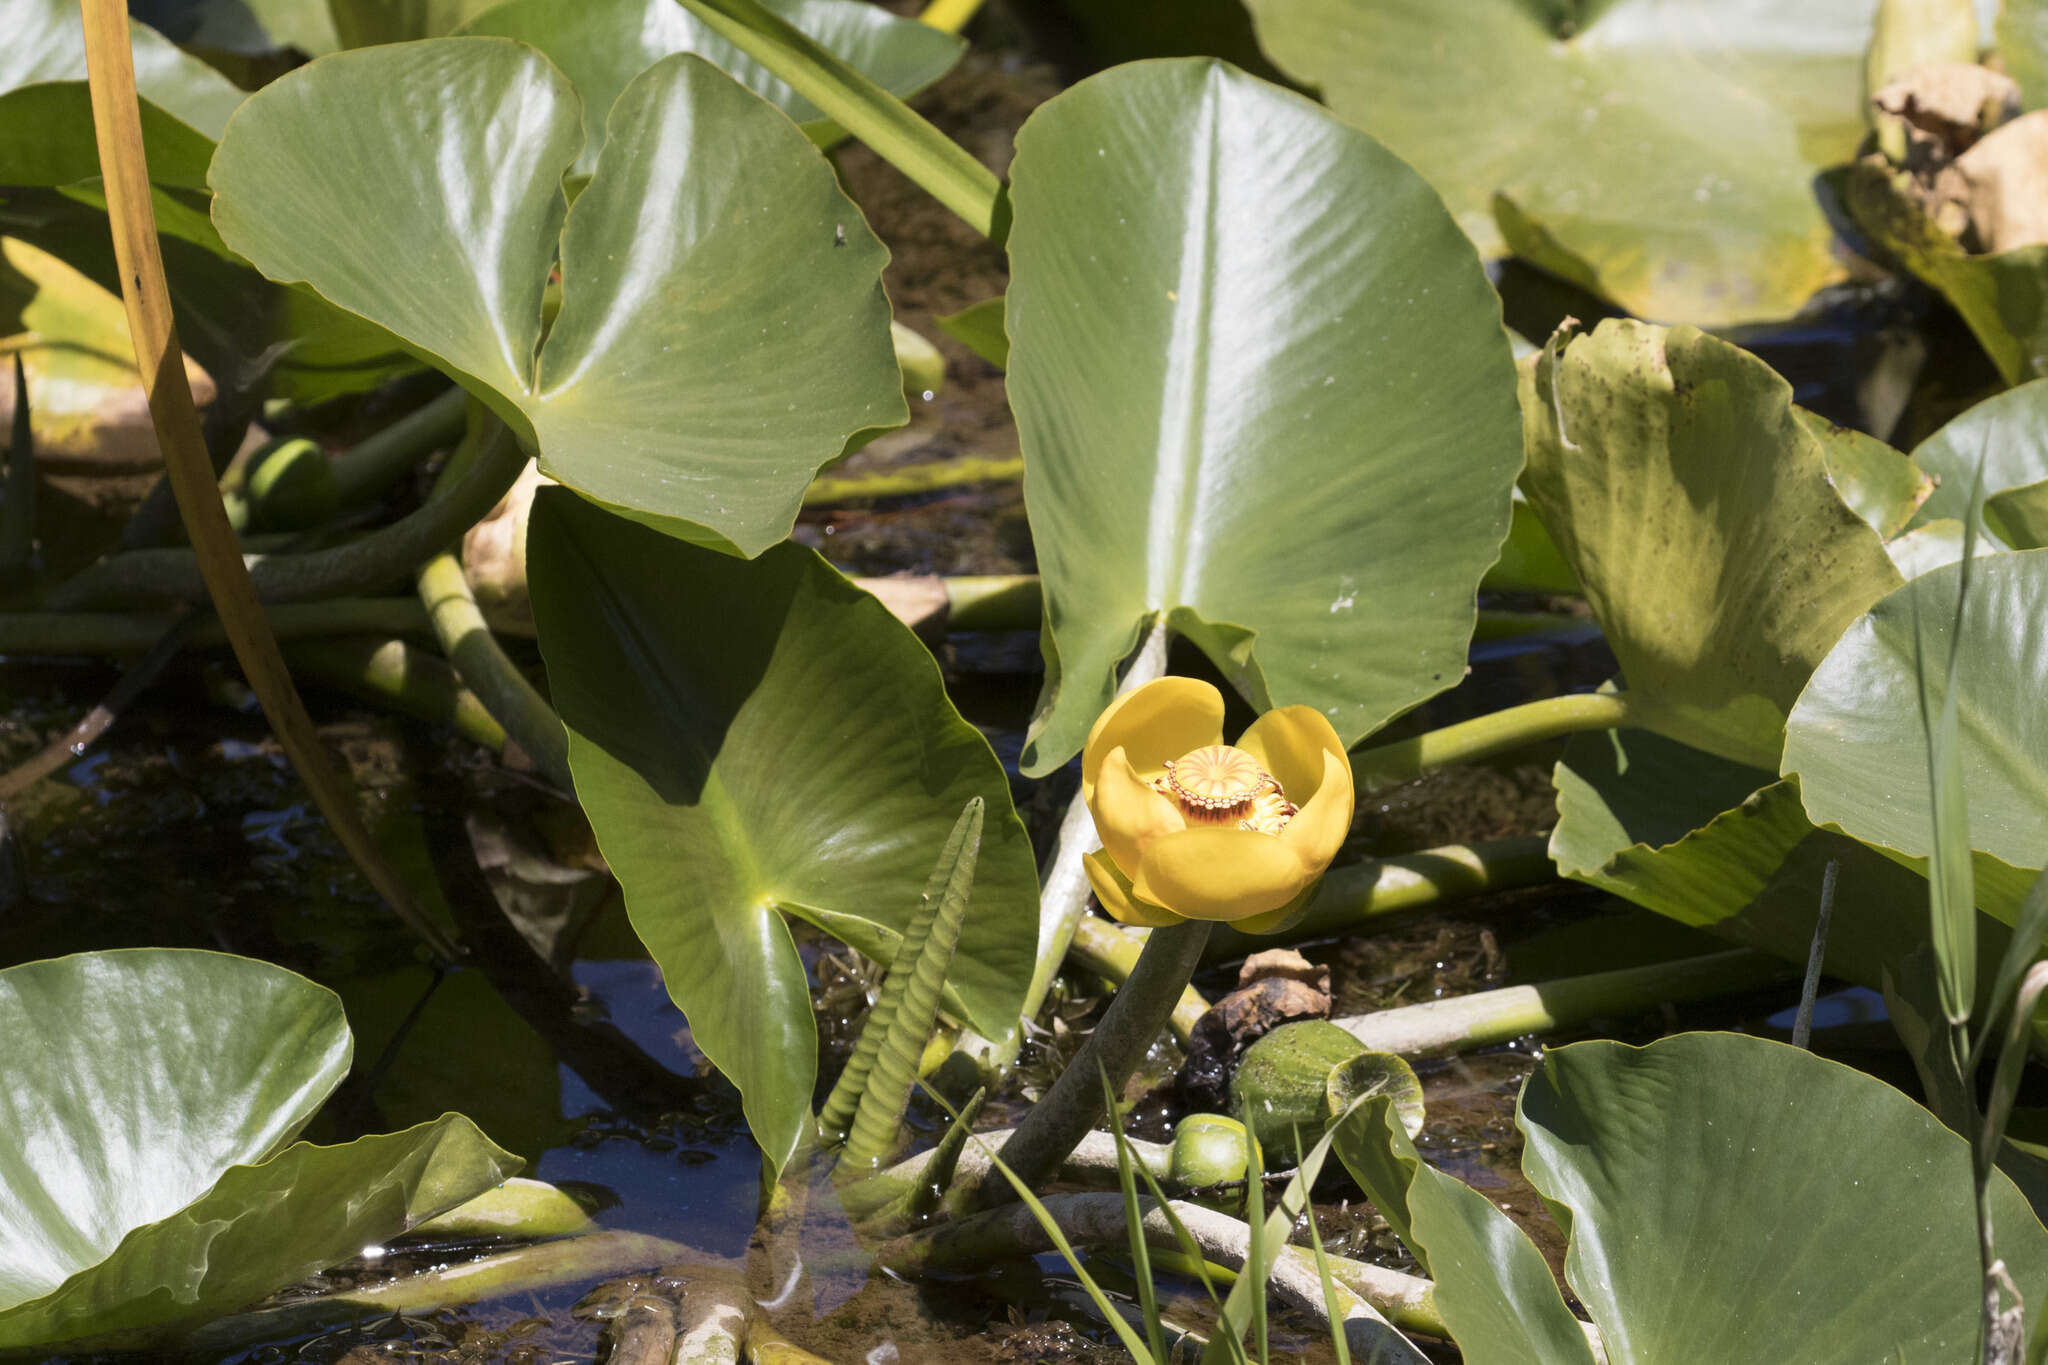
(723, 329)
(1734, 1199)
(1263, 391)
(1880, 485)
(760, 739)
(1658, 152)
(601, 45)
(1855, 739)
(1729, 849)
(147, 1174)
(1697, 509)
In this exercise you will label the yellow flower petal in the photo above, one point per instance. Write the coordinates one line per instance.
(1127, 812)
(1113, 889)
(1219, 874)
(1163, 719)
(1290, 742)
(1273, 921)
(1318, 828)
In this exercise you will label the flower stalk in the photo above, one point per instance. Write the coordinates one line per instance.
(1058, 1122)
(1483, 737)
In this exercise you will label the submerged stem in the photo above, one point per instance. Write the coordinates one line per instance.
(1485, 1018)
(1484, 736)
(1352, 896)
(523, 1271)
(106, 632)
(1407, 1301)
(497, 682)
(371, 562)
(394, 674)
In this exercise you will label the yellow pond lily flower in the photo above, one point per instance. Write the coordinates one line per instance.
(1193, 828)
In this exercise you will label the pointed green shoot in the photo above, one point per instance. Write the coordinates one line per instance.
(926, 1196)
(866, 1108)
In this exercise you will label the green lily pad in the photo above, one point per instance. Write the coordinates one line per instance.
(795, 757)
(2007, 433)
(1658, 152)
(1734, 1199)
(1856, 742)
(723, 330)
(1699, 512)
(601, 45)
(1263, 392)
(1729, 849)
(1493, 1287)
(46, 135)
(149, 1180)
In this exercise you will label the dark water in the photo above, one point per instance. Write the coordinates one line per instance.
(186, 827)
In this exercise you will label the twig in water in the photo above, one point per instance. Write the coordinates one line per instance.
(133, 683)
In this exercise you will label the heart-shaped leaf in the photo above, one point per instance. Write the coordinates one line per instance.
(1729, 1198)
(723, 331)
(1698, 511)
(601, 45)
(145, 1177)
(46, 135)
(1855, 739)
(1658, 152)
(755, 739)
(1263, 392)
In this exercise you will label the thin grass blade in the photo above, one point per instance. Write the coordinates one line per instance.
(1136, 1345)
(1330, 1299)
(1141, 1254)
(1951, 895)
